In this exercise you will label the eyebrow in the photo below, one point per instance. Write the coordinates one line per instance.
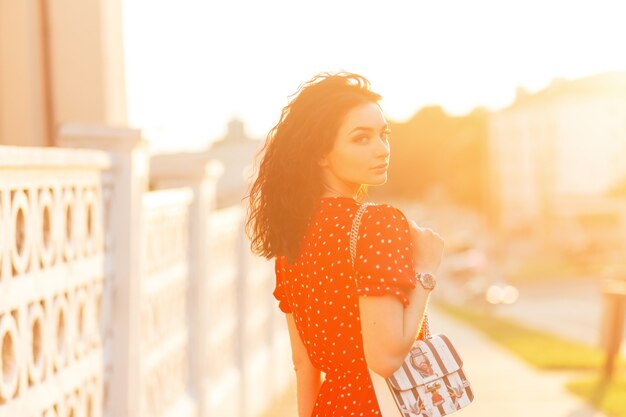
(369, 129)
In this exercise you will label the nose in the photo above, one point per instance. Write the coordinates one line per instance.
(383, 150)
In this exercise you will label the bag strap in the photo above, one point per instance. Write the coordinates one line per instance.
(354, 232)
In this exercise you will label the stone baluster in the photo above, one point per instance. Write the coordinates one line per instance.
(129, 182)
(198, 172)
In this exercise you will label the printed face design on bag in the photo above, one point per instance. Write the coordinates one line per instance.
(421, 363)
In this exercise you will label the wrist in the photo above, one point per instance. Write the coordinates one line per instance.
(427, 279)
(432, 269)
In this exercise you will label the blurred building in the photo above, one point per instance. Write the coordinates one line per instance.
(236, 151)
(555, 154)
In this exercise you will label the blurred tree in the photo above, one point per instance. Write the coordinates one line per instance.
(434, 149)
(618, 190)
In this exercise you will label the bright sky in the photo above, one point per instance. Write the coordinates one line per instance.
(192, 65)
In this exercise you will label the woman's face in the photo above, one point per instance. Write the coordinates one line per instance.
(361, 144)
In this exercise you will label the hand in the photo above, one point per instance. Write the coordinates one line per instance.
(427, 248)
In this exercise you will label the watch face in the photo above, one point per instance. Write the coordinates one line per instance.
(428, 280)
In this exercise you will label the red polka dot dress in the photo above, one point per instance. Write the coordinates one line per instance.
(321, 290)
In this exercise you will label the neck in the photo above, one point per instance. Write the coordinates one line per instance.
(333, 192)
(333, 186)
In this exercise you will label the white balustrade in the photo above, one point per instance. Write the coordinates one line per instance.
(163, 304)
(51, 281)
(117, 301)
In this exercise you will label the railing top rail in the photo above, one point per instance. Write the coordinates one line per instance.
(26, 157)
(168, 197)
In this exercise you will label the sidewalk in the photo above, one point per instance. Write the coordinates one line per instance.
(503, 385)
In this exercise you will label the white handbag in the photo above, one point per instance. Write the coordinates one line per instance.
(431, 381)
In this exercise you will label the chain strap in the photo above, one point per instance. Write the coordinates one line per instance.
(356, 222)
(355, 229)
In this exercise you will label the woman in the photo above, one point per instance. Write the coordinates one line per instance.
(331, 142)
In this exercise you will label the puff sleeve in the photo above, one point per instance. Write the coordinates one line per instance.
(279, 291)
(384, 254)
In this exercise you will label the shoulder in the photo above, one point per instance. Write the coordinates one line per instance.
(384, 222)
(384, 212)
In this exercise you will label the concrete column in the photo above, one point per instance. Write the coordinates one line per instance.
(23, 107)
(129, 182)
(87, 61)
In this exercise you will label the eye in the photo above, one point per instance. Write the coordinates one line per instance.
(361, 139)
(386, 134)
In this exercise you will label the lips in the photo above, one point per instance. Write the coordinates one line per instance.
(381, 166)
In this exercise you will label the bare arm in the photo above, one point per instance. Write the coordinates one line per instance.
(388, 328)
(308, 377)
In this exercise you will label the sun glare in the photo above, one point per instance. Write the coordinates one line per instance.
(192, 66)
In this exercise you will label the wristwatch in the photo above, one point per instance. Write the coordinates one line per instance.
(427, 280)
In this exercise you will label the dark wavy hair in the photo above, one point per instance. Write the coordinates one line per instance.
(287, 190)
